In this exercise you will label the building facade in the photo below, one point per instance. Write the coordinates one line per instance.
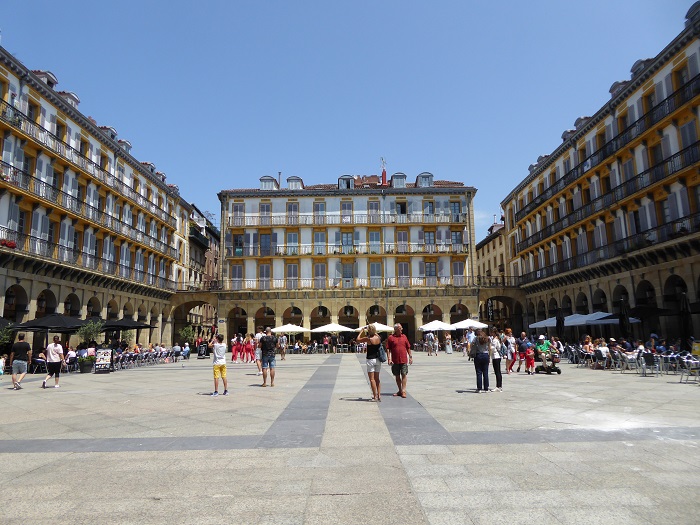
(364, 249)
(85, 228)
(613, 213)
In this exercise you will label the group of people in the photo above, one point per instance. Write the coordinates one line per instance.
(21, 358)
(399, 356)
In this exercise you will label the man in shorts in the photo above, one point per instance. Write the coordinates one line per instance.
(219, 352)
(20, 357)
(400, 356)
(522, 344)
(268, 346)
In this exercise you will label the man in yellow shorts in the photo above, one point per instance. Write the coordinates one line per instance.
(219, 353)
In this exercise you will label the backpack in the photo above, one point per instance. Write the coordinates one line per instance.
(503, 350)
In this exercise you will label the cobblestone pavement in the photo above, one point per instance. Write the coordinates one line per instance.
(149, 445)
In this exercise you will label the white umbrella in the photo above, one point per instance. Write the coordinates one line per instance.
(379, 327)
(551, 322)
(332, 327)
(468, 323)
(290, 329)
(434, 326)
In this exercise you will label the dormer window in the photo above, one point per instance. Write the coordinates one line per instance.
(295, 183)
(268, 183)
(398, 180)
(425, 180)
(346, 182)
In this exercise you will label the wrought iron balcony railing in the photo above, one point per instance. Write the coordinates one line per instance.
(310, 250)
(326, 219)
(677, 229)
(37, 247)
(19, 120)
(687, 92)
(683, 159)
(45, 191)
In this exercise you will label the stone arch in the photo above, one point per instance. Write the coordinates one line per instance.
(458, 312)
(293, 315)
(566, 305)
(674, 287)
(431, 312)
(541, 311)
(582, 304)
(16, 302)
(128, 310)
(349, 316)
(71, 305)
(517, 318)
(46, 303)
(600, 301)
(112, 309)
(264, 317)
(237, 322)
(552, 307)
(619, 293)
(94, 308)
(376, 314)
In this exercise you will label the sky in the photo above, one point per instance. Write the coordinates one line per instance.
(218, 93)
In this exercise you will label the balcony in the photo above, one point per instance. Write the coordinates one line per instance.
(686, 93)
(358, 283)
(197, 237)
(35, 247)
(675, 163)
(20, 121)
(331, 219)
(33, 186)
(310, 250)
(675, 230)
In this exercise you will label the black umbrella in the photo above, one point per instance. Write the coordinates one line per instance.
(560, 323)
(124, 324)
(686, 321)
(59, 323)
(624, 318)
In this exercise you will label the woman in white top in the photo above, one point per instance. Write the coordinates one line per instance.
(448, 343)
(54, 361)
(495, 355)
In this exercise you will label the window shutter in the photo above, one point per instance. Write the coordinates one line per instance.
(589, 150)
(337, 238)
(52, 127)
(39, 168)
(7, 151)
(608, 133)
(666, 146)
(632, 115)
(673, 206)
(62, 236)
(274, 242)
(45, 227)
(43, 117)
(645, 159)
(684, 209)
(441, 268)
(652, 215)
(438, 236)
(693, 65)
(49, 174)
(420, 236)
(640, 108)
(669, 85)
(631, 223)
(13, 216)
(421, 269)
(357, 237)
(558, 172)
(338, 270)
(643, 221)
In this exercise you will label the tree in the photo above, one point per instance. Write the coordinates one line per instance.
(128, 336)
(187, 334)
(90, 331)
(5, 336)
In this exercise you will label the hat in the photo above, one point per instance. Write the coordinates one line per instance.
(612, 340)
(541, 338)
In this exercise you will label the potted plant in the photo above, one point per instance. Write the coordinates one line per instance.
(86, 364)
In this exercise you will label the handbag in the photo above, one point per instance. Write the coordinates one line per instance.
(382, 353)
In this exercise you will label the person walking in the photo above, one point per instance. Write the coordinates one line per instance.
(369, 336)
(480, 351)
(54, 361)
(495, 342)
(522, 343)
(448, 343)
(509, 340)
(258, 353)
(219, 352)
(268, 346)
(282, 343)
(471, 339)
(400, 356)
(20, 358)
(430, 342)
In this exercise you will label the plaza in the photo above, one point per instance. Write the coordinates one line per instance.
(149, 445)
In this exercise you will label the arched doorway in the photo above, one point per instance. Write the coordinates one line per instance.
(264, 317)
(674, 287)
(237, 322)
(349, 316)
(16, 302)
(406, 316)
(71, 306)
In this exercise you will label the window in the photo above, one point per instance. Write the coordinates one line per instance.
(320, 275)
(375, 242)
(404, 274)
(292, 243)
(429, 241)
(292, 276)
(689, 134)
(428, 210)
(238, 214)
(265, 244)
(346, 212)
(458, 273)
(455, 210)
(320, 243)
(373, 209)
(292, 213)
(238, 244)
(430, 274)
(236, 276)
(346, 242)
(375, 275)
(319, 213)
(402, 241)
(264, 276)
(265, 213)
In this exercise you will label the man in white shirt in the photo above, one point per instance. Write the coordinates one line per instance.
(219, 352)
(54, 361)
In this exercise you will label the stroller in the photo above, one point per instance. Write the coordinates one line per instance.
(549, 366)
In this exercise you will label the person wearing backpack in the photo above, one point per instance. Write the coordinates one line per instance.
(495, 346)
